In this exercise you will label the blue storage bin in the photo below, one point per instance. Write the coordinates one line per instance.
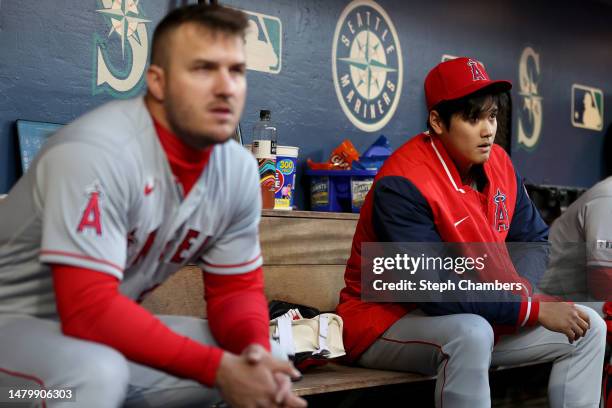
(339, 190)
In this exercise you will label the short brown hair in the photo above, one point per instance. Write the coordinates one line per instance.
(212, 16)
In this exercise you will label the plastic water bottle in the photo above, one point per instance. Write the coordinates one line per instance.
(264, 149)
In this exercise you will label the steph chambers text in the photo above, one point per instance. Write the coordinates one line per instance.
(462, 285)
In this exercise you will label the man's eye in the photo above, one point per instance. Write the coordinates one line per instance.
(239, 70)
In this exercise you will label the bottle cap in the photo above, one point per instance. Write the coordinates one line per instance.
(265, 114)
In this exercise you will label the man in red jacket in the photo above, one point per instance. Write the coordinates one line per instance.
(117, 202)
(453, 185)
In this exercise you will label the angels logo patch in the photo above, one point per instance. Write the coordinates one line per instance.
(477, 73)
(90, 216)
(501, 212)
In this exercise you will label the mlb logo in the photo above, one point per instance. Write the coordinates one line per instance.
(264, 43)
(587, 107)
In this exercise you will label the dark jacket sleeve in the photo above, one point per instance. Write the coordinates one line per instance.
(528, 237)
(401, 214)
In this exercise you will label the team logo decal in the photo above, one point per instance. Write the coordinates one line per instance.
(587, 107)
(367, 65)
(90, 216)
(477, 74)
(264, 43)
(120, 58)
(530, 106)
(501, 212)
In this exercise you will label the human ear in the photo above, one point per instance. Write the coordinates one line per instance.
(435, 122)
(156, 82)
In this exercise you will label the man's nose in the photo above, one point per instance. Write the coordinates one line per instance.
(224, 83)
(487, 129)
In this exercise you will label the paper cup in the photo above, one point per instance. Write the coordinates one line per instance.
(286, 164)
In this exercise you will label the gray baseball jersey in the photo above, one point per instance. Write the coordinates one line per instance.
(581, 237)
(101, 195)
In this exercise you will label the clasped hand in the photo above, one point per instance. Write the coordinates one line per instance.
(256, 379)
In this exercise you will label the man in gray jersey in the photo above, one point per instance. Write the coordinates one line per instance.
(580, 268)
(114, 204)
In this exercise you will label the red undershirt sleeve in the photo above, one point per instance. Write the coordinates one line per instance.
(529, 313)
(237, 309)
(91, 307)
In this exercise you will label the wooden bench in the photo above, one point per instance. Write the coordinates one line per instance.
(305, 255)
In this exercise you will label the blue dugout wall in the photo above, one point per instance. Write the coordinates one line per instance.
(61, 58)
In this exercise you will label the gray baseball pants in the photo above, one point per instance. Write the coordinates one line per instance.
(34, 354)
(459, 349)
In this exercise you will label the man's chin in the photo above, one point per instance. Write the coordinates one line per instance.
(221, 136)
(208, 140)
(221, 133)
(204, 140)
(480, 160)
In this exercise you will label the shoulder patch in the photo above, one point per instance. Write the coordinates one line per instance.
(90, 218)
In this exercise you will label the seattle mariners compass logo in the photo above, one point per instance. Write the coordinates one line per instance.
(367, 65)
(126, 45)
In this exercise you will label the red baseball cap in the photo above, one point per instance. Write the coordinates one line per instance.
(456, 78)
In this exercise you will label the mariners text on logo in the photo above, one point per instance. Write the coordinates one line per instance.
(367, 65)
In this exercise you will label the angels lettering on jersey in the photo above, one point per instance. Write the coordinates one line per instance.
(183, 252)
(90, 221)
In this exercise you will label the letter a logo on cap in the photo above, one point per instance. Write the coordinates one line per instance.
(477, 74)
